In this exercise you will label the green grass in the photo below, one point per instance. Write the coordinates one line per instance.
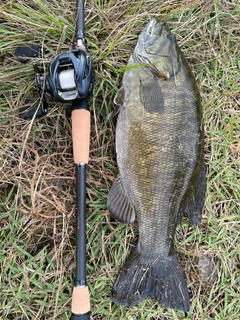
(37, 185)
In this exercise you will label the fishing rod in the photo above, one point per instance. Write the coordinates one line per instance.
(70, 77)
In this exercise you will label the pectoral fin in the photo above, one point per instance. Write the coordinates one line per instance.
(118, 203)
(118, 101)
(196, 202)
(151, 95)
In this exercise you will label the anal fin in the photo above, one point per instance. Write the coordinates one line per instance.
(118, 203)
(196, 201)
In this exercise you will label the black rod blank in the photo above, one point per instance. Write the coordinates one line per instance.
(80, 20)
(81, 225)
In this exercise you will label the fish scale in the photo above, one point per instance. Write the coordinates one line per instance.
(159, 145)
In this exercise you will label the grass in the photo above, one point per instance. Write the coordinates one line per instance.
(37, 185)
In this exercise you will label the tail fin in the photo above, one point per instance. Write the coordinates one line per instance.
(159, 279)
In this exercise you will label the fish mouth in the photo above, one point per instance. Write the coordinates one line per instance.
(156, 28)
(155, 35)
(157, 32)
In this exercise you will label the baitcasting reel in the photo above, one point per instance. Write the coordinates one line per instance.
(70, 77)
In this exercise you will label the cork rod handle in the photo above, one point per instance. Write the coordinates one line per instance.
(81, 135)
(80, 301)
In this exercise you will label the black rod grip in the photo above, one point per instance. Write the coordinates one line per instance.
(85, 316)
(79, 104)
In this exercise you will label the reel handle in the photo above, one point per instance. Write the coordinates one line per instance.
(38, 112)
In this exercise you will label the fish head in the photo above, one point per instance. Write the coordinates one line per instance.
(157, 48)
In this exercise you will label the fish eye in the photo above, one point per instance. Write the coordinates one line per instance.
(171, 37)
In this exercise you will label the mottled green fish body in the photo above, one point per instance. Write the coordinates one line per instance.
(159, 144)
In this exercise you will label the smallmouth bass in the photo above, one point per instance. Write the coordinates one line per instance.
(159, 145)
